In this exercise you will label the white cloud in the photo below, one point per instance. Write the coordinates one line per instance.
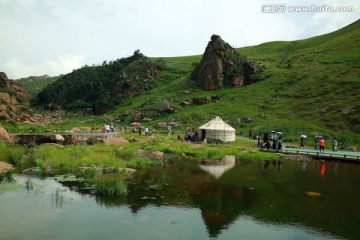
(15, 68)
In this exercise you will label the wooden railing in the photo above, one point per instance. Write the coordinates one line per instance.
(334, 155)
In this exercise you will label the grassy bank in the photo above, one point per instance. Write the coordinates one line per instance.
(73, 158)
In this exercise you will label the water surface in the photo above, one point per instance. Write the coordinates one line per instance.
(239, 199)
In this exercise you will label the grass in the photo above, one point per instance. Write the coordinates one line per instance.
(311, 87)
(110, 184)
(35, 84)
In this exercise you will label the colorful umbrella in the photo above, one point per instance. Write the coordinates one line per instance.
(135, 124)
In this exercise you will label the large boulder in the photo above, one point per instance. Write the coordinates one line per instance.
(4, 167)
(4, 136)
(5, 97)
(221, 65)
(116, 141)
(157, 155)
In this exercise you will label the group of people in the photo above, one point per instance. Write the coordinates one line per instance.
(109, 128)
(189, 135)
(274, 146)
(274, 143)
(320, 143)
(147, 131)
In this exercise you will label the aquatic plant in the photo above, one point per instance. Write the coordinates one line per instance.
(89, 173)
(110, 185)
(29, 184)
(140, 163)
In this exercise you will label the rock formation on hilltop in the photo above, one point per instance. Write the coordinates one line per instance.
(13, 98)
(222, 65)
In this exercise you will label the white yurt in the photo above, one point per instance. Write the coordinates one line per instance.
(217, 129)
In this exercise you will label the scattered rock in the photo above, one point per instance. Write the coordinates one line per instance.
(116, 141)
(4, 135)
(140, 153)
(174, 124)
(55, 145)
(248, 119)
(185, 103)
(4, 167)
(126, 170)
(147, 119)
(347, 110)
(157, 155)
(161, 125)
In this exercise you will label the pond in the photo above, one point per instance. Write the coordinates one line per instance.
(228, 199)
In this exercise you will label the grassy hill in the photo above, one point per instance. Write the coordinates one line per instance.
(34, 85)
(312, 88)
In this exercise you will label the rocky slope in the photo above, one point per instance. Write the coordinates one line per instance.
(14, 100)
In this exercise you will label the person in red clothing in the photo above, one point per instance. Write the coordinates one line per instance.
(322, 144)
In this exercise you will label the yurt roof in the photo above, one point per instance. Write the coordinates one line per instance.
(217, 124)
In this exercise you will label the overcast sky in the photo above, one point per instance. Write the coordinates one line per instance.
(56, 36)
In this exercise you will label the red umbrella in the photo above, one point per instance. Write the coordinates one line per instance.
(135, 124)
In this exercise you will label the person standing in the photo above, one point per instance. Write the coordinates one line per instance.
(316, 143)
(302, 143)
(322, 145)
(250, 134)
(334, 144)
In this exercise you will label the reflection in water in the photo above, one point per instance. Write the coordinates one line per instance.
(185, 199)
(303, 165)
(57, 199)
(334, 167)
(322, 169)
(218, 168)
(275, 163)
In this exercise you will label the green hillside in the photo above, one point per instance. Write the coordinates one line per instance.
(34, 85)
(310, 86)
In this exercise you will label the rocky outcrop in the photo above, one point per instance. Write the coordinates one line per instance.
(116, 141)
(13, 99)
(222, 66)
(4, 136)
(13, 87)
(4, 167)
(137, 77)
(200, 101)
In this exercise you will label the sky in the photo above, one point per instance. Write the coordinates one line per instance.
(54, 37)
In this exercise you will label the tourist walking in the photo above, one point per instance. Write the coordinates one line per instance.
(334, 144)
(316, 143)
(322, 145)
(302, 143)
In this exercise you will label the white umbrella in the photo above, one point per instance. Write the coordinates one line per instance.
(303, 136)
(279, 133)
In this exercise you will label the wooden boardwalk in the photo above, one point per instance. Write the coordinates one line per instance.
(327, 155)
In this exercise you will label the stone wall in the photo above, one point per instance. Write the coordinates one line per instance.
(69, 139)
